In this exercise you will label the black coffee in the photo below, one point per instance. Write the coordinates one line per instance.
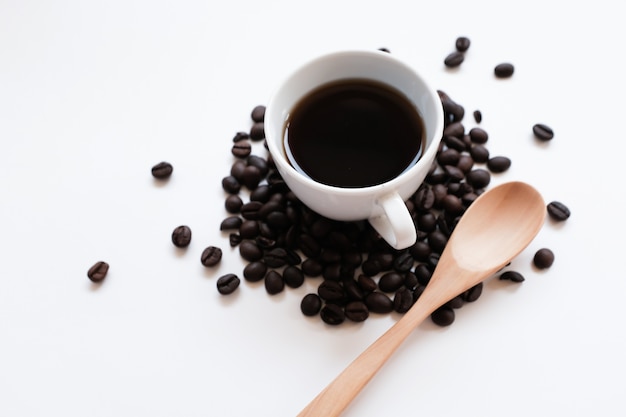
(354, 133)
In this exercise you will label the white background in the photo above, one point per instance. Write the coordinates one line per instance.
(94, 93)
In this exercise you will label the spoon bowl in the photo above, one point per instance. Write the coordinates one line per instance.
(494, 229)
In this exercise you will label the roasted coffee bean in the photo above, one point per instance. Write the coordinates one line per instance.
(312, 268)
(402, 300)
(293, 276)
(227, 284)
(504, 70)
(454, 129)
(403, 262)
(423, 273)
(273, 282)
(478, 135)
(443, 316)
(427, 222)
(391, 282)
(511, 276)
(250, 251)
(498, 164)
(352, 289)
(261, 193)
(456, 302)
(239, 136)
(370, 267)
(236, 170)
(233, 203)
(162, 170)
(257, 131)
(250, 210)
(356, 311)
(249, 229)
(410, 280)
(234, 239)
(310, 304)
(420, 251)
(264, 242)
(452, 142)
(378, 302)
(98, 271)
(181, 236)
(448, 157)
(437, 240)
(251, 177)
(275, 258)
(331, 291)
(260, 163)
(211, 256)
(293, 258)
(332, 271)
(332, 314)
(241, 149)
(231, 223)
(367, 284)
(278, 220)
(454, 59)
(462, 43)
(424, 199)
(231, 185)
(543, 132)
(478, 178)
(478, 116)
(255, 271)
(258, 113)
(558, 211)
(473, 293)
(544, 258)
(479, 153)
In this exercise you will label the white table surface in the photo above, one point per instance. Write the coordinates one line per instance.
(92, 94)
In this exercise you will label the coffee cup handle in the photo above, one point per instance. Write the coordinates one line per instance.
(395, 225)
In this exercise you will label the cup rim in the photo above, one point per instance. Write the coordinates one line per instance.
(280, 160)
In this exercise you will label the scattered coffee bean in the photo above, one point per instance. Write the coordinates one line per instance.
(498, 164)
(211, 256)
(512, 276)
(181, 236)
(454, 59)
(257, 131)
(478, 178)
(231, 223)
(227, 284)
(255, 271)
(162, 170)
(241, 136)
(310, 305)
(332, 314)
(98, 271)
(558, 211)
(462, 43)
(258, 113)
(478, 135)
(443, 316)
(377, 302)
(543, 132)
(241, 149)
(478, 116)
(356, 311)
(504, 70)
(230, 184)
(293, 276)
(274, 282)
(233, 203)
(250, 251)
(544, 258)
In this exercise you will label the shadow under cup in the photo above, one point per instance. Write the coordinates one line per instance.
(346, 204)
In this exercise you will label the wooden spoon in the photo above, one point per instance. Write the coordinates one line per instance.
(493, 230)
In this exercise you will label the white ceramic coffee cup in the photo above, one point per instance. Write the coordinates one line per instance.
(383, 204)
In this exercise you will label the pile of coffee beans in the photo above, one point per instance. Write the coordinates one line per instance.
(356, 272)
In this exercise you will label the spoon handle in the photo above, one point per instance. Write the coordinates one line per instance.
(337, 395)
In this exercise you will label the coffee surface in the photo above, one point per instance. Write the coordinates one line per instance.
(354, 133)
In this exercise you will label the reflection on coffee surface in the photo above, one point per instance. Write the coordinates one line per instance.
(353, 133)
